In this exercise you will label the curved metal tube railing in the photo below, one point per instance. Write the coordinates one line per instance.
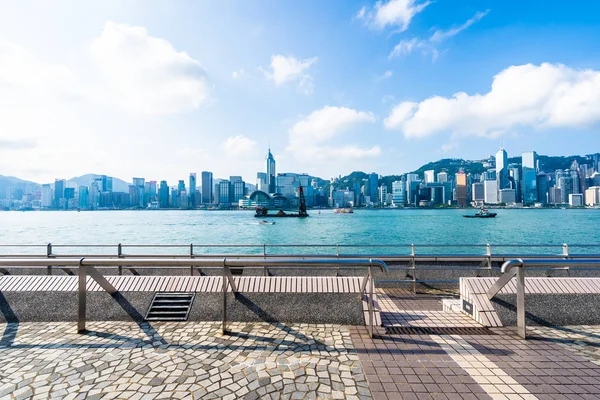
(86, 267)
(516, 268)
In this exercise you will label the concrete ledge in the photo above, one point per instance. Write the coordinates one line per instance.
(550, 309)
(314, 308)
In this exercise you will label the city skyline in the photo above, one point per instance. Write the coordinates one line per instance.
(375, 86)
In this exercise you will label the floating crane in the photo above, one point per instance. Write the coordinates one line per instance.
(262, 212)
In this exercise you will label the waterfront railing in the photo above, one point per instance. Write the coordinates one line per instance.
(87, 267)
(516, 269)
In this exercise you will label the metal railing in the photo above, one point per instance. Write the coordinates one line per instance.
(87, 267)
(516, 268)
(411, 258)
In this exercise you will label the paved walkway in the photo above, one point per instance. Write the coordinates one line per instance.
(422, 352)
(179, 360)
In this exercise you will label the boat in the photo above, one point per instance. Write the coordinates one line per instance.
(483, 213)
(264, 222)
(347, 210)
(262, 212)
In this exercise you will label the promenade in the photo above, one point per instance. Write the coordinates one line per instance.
(421, 352)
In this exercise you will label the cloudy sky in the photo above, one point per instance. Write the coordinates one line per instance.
(160, 89)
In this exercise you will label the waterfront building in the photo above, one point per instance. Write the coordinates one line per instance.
(542, 187)
(261, 182)
(373, 187)
(342, 198)
(83, 200)
(576, 200)
(271, 173)
(442, 177)
(429, 176)
(183, 200)
(502, 170)
(461, 189)
(478, 192)
(94, 196)
(237, 190)
(529, 185)
(224, 192)
(529, 159)
(507, 196)
(514, 177)
(59, 191)
(163, 195)
(399, 192)
(592, 196)
(109, 184)
(174, 197)
(383, 194)
(207, 187)
(412, 192)
(564, 182)
(46, 195)
(138, 198)
(555, 195)
(193, 200)
(490, 191)
(286, 184)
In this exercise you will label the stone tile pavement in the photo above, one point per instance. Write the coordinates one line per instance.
(189, 360)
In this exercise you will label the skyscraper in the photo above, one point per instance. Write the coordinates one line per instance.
(207, 187)
(429, 176)
(261, 181)
(530, 160)
(461, 189)
(163, 195)
(502, 170)
(193, 190)
(59, 191)
(442, 177)
(271, 180)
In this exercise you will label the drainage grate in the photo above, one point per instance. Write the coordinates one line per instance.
(170, 307)
(417, 330)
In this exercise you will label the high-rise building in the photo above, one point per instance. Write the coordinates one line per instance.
(271, 173)
(502, 170)
(429, 176)
(592, 196)
(139, 191)
(478, 191)
(373, 187)
(84, 197)
(261, 181)
(59, 191)
(207, 187)
(529, 186)
(224, 195)
(542, 188)
(576, 200)
(461, 189)
(490, 191)
(529, 160)
(46, 195)
(193, 200)
(163, 195)
(109, 184)
(399, 192)
(507, 196)
(442, 177)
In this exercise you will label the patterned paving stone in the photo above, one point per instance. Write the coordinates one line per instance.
(189, 360)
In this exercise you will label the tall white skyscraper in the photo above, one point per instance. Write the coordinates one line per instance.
(502, 170)
(429, 176)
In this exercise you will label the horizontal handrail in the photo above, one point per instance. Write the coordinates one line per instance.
(188, 262)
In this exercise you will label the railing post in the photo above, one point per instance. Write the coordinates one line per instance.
(265, 270)
(521, 325)
(49, 255)
(191, 256)
(414, 267)
(120, 255)
(565, 250)
(224, 324)
(489, 258)
(370, 301)
(81, 297)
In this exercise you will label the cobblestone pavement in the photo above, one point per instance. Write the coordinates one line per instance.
(179, 360)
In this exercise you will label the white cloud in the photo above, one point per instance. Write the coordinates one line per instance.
(318, 137)
(386, 75)
(447, 147)
(397, 13)
(240, 146)
(286, 69)
(146, 74)
(429, 46)
(539, 97)
(441, 35)
(238, 74)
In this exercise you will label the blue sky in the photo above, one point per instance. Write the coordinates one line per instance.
(162, 89)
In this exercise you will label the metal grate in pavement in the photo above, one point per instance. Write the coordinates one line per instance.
(417, 330)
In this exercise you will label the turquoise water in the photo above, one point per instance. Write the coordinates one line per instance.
(373, 227)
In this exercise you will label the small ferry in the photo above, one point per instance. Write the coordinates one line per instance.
(483, 213)
(347, 210)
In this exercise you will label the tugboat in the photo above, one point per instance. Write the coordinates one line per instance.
(347, 210)
(263, 212)
(482, 213)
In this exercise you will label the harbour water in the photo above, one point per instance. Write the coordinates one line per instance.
(364, 227)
